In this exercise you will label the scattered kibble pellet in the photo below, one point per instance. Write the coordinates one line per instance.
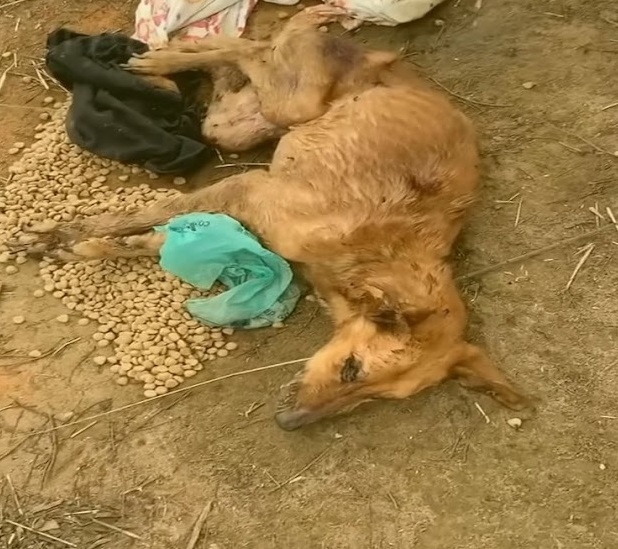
(18, 320)
(134, 306)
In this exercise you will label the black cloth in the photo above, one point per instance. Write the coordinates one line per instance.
(118, 115)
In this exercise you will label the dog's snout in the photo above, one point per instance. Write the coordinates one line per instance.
(290, 420)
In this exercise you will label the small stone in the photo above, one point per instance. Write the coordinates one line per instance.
(514, 422)
(528, 85)
(62, 318)
(38, 293)
(122, 380)
(338, 435)
(179, 181)
(11, 269)
(602, 466)
(99, 360)
(35, 354)
(18, 320)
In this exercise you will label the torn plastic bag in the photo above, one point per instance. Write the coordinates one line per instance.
(385, 12)
(202, 248)
(155, 20)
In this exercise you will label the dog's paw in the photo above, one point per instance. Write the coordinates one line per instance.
(157, 62)
(46, 238)
(323, 13)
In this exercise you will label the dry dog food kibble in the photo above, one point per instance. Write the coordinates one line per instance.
(135, 307)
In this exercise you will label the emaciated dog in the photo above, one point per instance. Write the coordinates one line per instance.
(366, 194)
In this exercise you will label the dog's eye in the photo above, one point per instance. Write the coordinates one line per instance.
(351, 368)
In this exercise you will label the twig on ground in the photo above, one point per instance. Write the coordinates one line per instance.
(478, 407)
(173, 393)
(20, 511)
(54, 80)
(610, 213)
(598, 215)
(518, 214)
(80, 431)
(588, 142)
(305, 468)
(252, 408)
(42, 534)
(156, 413)
(199, 524)
(466, 99)
(610, 106)
(533, 253)
(21, 442)
(29, 107)
(242, 164)
(580, 264)
(115, 528)
(51, 352)
(508, 200)
(3, 75)
(49, 466)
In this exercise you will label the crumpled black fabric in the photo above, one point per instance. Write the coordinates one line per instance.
(118, 115)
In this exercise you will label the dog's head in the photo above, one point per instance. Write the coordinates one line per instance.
(391, 340)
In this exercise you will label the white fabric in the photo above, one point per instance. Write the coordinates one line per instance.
(155, 20)
(386, 12)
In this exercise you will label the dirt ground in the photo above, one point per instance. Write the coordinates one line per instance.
(539, 79)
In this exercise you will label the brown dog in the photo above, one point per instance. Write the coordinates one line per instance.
(366, 194)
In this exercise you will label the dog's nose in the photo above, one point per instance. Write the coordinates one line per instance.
(289, 420)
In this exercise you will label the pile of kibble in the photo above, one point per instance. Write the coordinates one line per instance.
(144, 333)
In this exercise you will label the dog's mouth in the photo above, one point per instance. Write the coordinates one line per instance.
(289, 416)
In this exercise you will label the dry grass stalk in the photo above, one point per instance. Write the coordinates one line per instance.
(580, 264)
(41, 534)
(199, 524)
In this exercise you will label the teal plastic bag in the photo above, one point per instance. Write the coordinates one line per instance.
(202, 248)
